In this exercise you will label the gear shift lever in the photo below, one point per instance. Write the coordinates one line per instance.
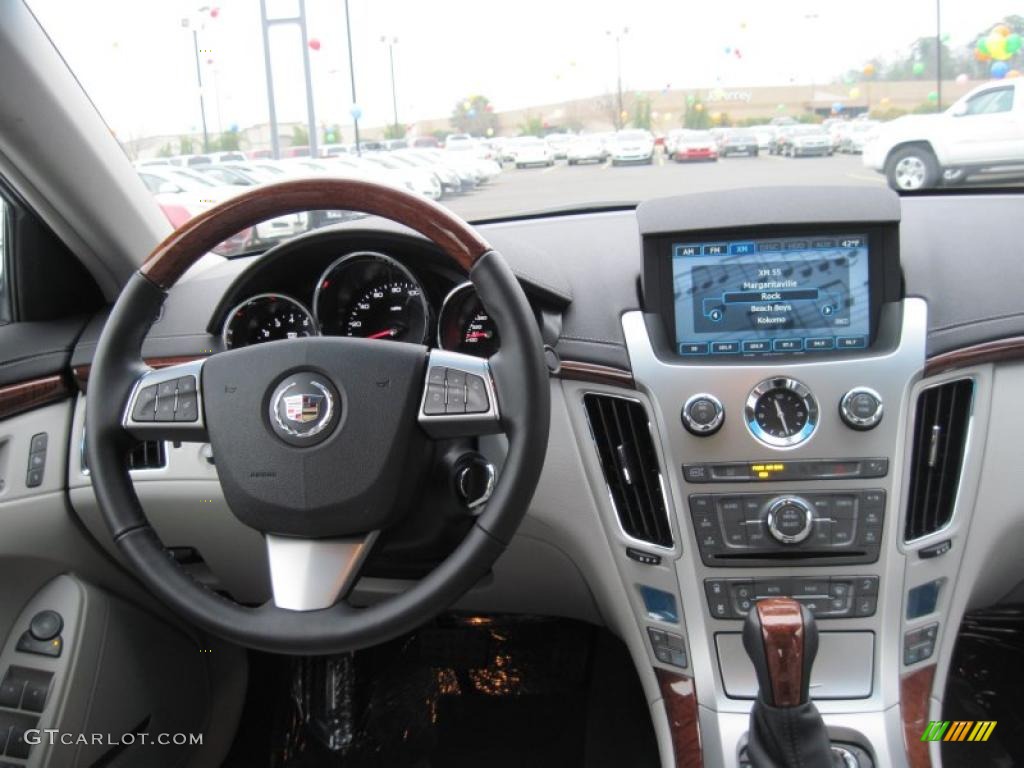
(781, 639)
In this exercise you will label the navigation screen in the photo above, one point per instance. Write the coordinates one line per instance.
(791, 294)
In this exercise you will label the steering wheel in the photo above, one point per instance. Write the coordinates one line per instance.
(313, 437)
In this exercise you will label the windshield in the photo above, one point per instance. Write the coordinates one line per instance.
(189, 84)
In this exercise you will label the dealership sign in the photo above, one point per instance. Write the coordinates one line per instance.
(719, 95)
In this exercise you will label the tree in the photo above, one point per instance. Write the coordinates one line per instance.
(185, 145)
(532, 126)
(300, 136)
(696, 116)
(227, 142)
(609, 105)
(641, 113)
(394, 131)
(474, 115)
(166, 150)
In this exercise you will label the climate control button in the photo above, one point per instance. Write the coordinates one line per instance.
(703, 415)
(790, 519)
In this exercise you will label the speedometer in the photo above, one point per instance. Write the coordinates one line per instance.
(372, 296)
(465, 326)
(267, 317)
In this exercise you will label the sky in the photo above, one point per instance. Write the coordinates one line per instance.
(136, 59)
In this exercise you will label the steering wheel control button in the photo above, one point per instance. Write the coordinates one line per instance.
(434, 404)
(703, 415)
(46, 625)
(476, 395)
(186, 407)
(790, 520)
(186, 384)
(861, 408)
(145, 404)
(304, 409)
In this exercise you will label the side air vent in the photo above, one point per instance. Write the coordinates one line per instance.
(150, 454)
(622, 435)
(943, 413)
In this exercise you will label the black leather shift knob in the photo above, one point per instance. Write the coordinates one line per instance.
(781, 639)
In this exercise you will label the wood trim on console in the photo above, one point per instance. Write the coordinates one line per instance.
(81, 372)
(915, 699)
(680, 697)
(996, 351)
(18, 398)
(201, 234)
(598, 374)
(782, 629)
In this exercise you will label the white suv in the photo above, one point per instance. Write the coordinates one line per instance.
(982, 131)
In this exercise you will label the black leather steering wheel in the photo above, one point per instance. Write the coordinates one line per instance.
(313, 437)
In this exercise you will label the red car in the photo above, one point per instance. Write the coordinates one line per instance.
(695, 145)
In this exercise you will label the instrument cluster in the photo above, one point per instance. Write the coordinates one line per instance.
(370, 295)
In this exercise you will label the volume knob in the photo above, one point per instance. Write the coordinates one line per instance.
(790, 519)
(703, 415)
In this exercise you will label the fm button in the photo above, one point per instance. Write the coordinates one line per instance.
(703, 415)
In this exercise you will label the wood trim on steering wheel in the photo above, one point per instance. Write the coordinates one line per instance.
(183, 247)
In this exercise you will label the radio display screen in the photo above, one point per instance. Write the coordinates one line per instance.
(775, 295)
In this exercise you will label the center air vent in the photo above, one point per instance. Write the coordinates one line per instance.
(940, 435)
(630, 463)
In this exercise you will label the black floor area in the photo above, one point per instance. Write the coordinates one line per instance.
(492, 691)
(986, 682)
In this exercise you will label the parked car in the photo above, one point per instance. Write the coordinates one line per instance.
(333, 150)
(446, 175)
(765, 135)
(982, 131)
(425, 142)
(632, 146)
(806, 141)
(459, 141)
(423, 181)
(529, 150)
(468, 171)
(694, 145)
(227, 157)
(559, 143)
(392, 144)
(585, 149)
(739, 143)
(855, 135)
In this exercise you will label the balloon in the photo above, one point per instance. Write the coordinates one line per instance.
(837, 106)
(329, 137)
(667, 115)
(1013, 43)
(728, 50)
(1013, 73)
(214, 12)
(780, 108)
(467, 105)
(933, 96)
(314, 44)
(1001, 30)
(624, 115)
(918, 68)
(654, 115)
(471, 112)
(999, 69)
(996, 45)
(869, 70)
(945, 37)
(981, 55)
(489, 131)
(982, 46)
(489, 108)
(690, 98)
(855, 93)
(885, 101)
(961, 78)
(699, 107)
(233, 128)
(356, 111)
(738, 54)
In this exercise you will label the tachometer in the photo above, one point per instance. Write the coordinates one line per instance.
(267, 317)
(371, 296)
(464, 325)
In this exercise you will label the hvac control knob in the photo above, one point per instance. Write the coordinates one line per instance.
(790, 519)
(861, 408)
(703, 415)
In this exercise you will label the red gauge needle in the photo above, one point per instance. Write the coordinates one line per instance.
(478, 335)
(382, 334)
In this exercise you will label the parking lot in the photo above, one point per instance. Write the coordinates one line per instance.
(538, 189)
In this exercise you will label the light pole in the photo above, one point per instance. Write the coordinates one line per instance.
(390, 43)
(938, 57)
(618, 71)
(352, 71)
(186, 23)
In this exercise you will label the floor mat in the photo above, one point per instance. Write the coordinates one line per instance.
(986, 682)
(463, 691)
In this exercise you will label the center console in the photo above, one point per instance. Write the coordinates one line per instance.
(776, 355)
